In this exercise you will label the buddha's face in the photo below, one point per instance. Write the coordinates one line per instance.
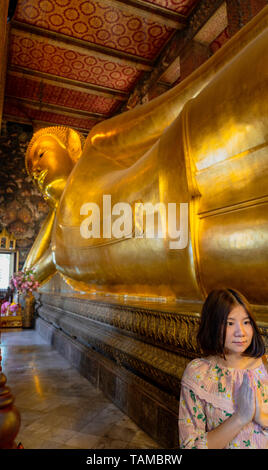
(50, 165)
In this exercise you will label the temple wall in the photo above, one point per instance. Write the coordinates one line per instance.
(22, 207)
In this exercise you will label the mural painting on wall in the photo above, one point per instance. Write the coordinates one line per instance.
(22, 207)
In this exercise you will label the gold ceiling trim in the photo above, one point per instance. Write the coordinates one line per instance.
(69, 86)
(40, 123)
(68, 82)
(63, 110)
(7, 240)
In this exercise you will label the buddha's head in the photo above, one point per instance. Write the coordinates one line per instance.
(50, 158)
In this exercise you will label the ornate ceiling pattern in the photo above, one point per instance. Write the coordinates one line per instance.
(82, 66)
(76, 62)
(97, 22)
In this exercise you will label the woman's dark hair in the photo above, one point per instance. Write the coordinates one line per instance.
(212, 329)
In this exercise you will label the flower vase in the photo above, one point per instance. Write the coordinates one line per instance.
(28, 310)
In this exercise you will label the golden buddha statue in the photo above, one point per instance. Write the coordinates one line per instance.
(200, 146)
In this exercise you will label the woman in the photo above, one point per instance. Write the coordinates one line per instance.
(224, 395)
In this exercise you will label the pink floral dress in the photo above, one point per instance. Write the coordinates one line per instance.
(208, 396)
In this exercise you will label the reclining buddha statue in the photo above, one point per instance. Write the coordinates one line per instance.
(197, 155)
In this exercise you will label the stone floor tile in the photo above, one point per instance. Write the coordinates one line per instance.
(107, 443)
(59, 408)
(82, 441)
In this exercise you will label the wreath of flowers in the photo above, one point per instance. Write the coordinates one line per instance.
(24, 282)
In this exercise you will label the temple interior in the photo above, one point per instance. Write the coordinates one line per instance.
(132, 102)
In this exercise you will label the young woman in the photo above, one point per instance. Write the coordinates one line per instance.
(224, 395)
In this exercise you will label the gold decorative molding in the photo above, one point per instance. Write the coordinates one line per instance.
(176, 331)
(7, 240)
(158, 366)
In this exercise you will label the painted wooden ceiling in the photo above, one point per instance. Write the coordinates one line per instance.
(75, 62)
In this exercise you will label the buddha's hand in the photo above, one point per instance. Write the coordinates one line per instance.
(245, 404)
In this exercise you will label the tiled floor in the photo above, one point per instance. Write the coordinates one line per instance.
(59, 408)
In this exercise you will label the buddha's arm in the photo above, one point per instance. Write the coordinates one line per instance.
(42, 242)
(44, 268)
(128, 136)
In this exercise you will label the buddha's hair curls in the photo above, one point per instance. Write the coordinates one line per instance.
(73, 141)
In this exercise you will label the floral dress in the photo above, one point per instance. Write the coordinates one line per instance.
(208, 396)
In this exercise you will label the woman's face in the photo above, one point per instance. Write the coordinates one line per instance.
(50, 165)
(239, 331)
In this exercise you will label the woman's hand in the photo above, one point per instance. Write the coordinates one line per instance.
(245, 402)
(261, 413)
(220, 436)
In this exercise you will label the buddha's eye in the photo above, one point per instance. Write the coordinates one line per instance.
(41, 154)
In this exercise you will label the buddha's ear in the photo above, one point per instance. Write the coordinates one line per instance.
(75, 144)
